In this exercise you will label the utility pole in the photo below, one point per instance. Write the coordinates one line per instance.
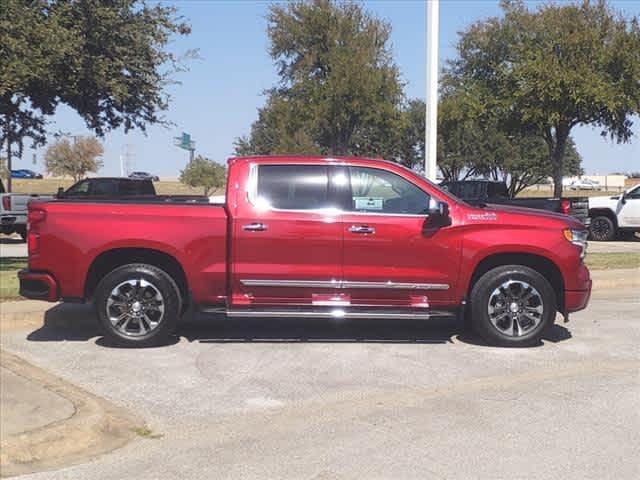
(431, 130)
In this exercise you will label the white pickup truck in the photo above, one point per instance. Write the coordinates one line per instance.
(612, 215)
(13, 211)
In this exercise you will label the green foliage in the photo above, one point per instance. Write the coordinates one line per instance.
(76, 159)
(546, 71)
(203, 172)
(339, 91)
(470, 144)
(105, 60)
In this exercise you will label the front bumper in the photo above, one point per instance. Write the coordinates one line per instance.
(575, 300)
(38, 286)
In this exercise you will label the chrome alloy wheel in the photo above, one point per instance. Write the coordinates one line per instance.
(135, 307)
(515, 308)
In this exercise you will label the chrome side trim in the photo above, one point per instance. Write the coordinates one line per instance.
(396, 285)
(335, 313)
(292, 283)
(346, 284)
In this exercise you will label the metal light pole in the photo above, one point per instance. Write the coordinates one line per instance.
(431, 130)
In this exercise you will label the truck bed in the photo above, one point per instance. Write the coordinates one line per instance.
(81, 232)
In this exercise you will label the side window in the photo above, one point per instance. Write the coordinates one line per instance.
(134, 187)
(379, 191)
(634, 194)
(104, 187)
(293, 187)
(81, 188)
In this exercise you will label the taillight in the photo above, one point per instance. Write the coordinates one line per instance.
(35, 216)
(33, 243)
(565, 206)
(6, 202)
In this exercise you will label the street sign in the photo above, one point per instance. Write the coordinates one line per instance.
(184, 141)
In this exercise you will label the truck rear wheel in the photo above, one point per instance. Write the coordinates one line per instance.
(512, 306)
(602, 229)
(138, 305)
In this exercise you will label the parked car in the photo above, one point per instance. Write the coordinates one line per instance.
(480, 192)
(144, 176)
(613, 215)
(585, 184)
(25, 173)
(13, 211)
(314, 237)
(108, 187)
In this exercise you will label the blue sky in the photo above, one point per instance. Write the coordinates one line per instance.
(218, 98)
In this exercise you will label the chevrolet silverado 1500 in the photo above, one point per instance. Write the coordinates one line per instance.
(309, 237)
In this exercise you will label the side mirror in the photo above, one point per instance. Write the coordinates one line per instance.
(438, 217)
(60, 193)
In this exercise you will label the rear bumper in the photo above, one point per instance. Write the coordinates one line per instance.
(38, 286)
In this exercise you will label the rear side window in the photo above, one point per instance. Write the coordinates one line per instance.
(294, 187)
(128, 187)
(104, 187)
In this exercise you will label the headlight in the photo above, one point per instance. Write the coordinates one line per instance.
(578, 238)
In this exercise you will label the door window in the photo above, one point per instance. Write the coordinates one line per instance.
(293, 187)
(378, 191)
(81, 188)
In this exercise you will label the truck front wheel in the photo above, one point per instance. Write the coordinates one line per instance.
(138, 305)
(512, 306)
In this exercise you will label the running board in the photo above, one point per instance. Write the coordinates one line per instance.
(331, 313)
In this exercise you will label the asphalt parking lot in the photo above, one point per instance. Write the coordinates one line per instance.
(365, 399)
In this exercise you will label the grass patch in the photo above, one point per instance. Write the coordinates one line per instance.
(146, 432)
(606, 261)
(9, 285)
(547, 193)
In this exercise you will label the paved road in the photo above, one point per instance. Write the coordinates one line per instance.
(12, 246)
(301, 399)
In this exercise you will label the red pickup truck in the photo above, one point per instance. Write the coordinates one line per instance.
(309, 237)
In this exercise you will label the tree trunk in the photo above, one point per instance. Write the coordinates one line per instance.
(9, 188)
(557, 159)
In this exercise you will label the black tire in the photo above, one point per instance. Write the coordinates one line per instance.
(146, 286)
(22, 231)
(602, 229)
(529, 332)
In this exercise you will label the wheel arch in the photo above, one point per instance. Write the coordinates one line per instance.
(543, 265)
(111, 259)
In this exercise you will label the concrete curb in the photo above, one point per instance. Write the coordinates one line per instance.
(96, 427)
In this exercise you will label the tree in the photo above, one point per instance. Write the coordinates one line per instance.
(339, 91)
(473, 144)
(63, 158)
(546, 71)
(105, 60)
(203, 172)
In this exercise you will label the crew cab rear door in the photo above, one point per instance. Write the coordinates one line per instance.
(390, 259)
(287, 235)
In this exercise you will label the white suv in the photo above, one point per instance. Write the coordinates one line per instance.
(610, 215)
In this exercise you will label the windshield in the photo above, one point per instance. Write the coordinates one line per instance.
(445, 192)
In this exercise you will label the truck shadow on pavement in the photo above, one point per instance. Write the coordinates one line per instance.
(70, 322)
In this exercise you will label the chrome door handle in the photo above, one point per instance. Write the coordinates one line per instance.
(255, 227)
(361, 229)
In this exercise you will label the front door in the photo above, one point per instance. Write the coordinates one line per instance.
(388, 259)
(629, 209)
(287, 239)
